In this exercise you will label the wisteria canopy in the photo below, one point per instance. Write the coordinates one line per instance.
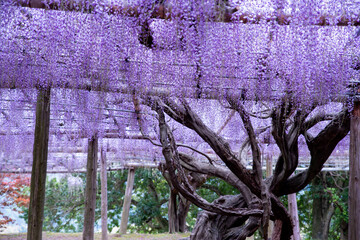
(115, 67)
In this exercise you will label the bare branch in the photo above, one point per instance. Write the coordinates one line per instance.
(266, 204)
(217, 171)
(315, 120)
(184, 115)
(252, 138)
(262, 114)
(226, 122)
(320, 148)
(197, 151)
(287, 141)
(246, 142)
(173, 165)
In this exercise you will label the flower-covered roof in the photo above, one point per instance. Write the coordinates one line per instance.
(96, 58)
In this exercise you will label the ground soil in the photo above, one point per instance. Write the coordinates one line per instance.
(78, 236)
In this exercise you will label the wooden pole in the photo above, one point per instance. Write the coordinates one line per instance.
(90, 189)
(269, 173)
(294, 216)
(38, 174)
(354, 168)
(127, 201)
(104, 201)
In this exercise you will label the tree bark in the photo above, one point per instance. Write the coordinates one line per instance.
(212, 226)
(269, 173)
(38, 174)
(127, 201)
(276, 234)
(294, 216)
(196, 180)
(90, 189)
(172, 213)
(322, 211)
(104, 201)
(354, 168)
(183, 210)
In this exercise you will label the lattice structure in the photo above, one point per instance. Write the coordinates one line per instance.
(125, 146)
(112, 78)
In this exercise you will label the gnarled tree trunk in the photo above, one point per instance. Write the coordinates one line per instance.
(226, 217)
(172, 213)
(183, 210)
(212, 226)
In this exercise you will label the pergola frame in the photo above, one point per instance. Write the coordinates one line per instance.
(159, 12)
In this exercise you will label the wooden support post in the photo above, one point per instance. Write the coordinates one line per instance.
(127, 201)
(104, 201)
(294, 216)
(269, 173)
(38, 174)
(90, 189)
(354, 172)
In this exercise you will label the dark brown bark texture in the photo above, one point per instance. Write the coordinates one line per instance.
(38, 174)
(323, 209)
(240, 216)
(354, 186)
(213, 226)
(90, 189)
(183, 209)
(178, 206)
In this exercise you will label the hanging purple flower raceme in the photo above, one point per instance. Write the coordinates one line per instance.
(90, 54)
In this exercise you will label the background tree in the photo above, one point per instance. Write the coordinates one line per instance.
(14, 191)
(64, 205)
(323, 207)
(65, 201)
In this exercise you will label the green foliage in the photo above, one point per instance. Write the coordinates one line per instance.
(151, 194)
(64, 205)
(334, 187)
(116, 190)
(339, 197)
(214, 188)
(305, 204)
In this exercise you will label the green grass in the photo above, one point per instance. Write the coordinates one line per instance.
(78, 236)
